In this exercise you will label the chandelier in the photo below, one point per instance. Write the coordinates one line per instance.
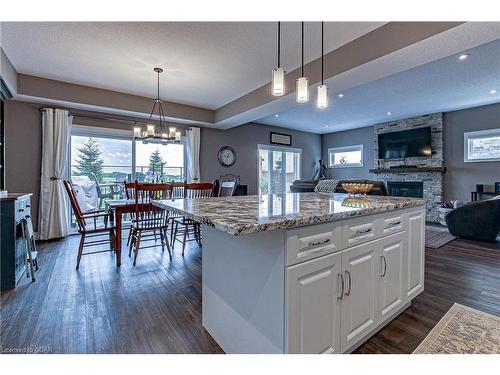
(165, 134)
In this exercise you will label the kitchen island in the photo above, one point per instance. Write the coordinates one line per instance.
(305, 272)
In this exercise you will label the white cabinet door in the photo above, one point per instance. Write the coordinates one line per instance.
(391, 288)
(361, 265)
(414, 262)
(313, 305)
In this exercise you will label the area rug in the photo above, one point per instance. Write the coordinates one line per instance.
(435, 237)
(463, 330)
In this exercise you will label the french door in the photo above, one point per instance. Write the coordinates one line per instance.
(278, 168)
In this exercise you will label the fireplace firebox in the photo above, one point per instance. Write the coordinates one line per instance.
(413, 189)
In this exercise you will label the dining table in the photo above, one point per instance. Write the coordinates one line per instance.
(118, 208)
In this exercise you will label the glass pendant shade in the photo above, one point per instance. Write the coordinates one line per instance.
(322, 97)
(137, 132)
(302, 90)
(278, 82)
(177, 136)
(151, 130)
(171, 132)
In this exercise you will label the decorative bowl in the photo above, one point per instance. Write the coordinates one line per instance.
(355, 188)
(356, 203)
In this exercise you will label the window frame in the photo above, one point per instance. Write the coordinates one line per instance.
(346, 149)
(478, 134)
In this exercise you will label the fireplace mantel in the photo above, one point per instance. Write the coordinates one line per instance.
(409, 170)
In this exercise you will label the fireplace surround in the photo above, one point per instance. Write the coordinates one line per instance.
(429, 173)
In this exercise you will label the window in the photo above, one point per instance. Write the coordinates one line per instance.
(159, 162)
(345, 157)
(101, 159)
(278, 168)
(482, 146)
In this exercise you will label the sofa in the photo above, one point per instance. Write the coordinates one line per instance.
(479, 221)
(304, 186)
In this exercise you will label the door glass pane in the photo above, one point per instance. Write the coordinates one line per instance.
(159, 163)
(277, 170)
(99, 166)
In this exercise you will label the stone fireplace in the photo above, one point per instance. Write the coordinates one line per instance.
(424, 174)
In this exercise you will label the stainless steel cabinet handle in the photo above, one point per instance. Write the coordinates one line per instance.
(385, 265)
(341, 283)
(394, 223)
(319, 242)
(364, 231)
(348, 291)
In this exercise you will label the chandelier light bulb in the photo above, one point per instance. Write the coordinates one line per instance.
(151, 130)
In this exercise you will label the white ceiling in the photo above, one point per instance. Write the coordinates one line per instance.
(207, 64)
(443, 85)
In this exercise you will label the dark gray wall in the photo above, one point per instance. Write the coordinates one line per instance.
(359, 136)
(23, 148)
(460, 177)
(244, 139)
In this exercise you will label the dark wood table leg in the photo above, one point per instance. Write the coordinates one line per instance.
(118, 216)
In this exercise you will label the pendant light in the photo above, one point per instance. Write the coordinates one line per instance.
(322, 100)
(278, 80)
(164, 135)
(302, 91)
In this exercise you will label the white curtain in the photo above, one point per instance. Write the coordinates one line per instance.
(193, 154)
(53, 219)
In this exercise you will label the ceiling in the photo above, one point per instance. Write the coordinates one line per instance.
(443, 85)
(207, 64)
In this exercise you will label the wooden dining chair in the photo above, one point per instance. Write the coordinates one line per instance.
(129, 188)
(178, 192)
(89, 226)
(185, 227)
(149, 218)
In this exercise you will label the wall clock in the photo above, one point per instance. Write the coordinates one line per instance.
(226, 156)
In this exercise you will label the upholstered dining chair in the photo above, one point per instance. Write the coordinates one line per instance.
(185, 227)
(228, 187)
(89, 226)
(149, 218)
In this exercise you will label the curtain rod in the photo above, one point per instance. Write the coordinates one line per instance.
(102, 118)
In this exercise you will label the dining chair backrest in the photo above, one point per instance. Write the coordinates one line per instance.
(199, 190)
(74, 205)
(227, 189)
(147, 215)
(129, 189)
(178, 189)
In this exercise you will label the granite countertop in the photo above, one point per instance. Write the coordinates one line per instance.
(254, 213)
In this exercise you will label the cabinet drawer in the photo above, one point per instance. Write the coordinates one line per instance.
(392, 224)
(311, 242)
(361, 231)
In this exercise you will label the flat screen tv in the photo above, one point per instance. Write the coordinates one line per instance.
(405, 144)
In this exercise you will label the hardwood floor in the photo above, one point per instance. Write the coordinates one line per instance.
(155, 307)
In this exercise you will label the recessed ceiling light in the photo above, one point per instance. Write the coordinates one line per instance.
(327, 126)
(493, 91)
(276, 115)
(463, 56)
(389, 113)
(341, 95)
